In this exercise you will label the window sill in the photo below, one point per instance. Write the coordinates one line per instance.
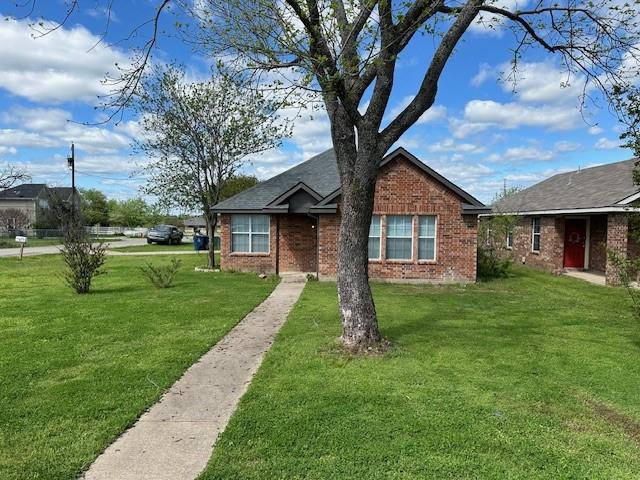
(427, 262)
(249, 254)
(535, 252)
(405, 261)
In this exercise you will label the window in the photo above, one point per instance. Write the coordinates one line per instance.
(510, 239)
(535, 234)
(399, 237)
(374, 238)
(427, 238)
(250, 233)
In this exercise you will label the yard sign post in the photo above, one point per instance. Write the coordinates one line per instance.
(21, 240)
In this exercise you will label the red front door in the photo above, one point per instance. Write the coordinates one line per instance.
(575, 238)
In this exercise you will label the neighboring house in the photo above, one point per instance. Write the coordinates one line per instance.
(33, 200)
(193, 224)
(424, 228)
(571, 220)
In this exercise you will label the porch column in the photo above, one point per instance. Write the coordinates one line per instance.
(617, 241)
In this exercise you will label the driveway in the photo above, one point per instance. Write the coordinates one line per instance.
(49, 249)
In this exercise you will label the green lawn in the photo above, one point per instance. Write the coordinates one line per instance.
(75, 371)
(154, 247)
(530, 377)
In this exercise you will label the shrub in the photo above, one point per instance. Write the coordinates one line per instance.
(161, 276)
(82, 257)
(627, 272)
(490, 265)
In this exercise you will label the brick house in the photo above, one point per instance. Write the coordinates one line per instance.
(571, 220)
(423, 229)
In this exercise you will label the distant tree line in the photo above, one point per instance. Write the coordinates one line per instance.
(97, 209)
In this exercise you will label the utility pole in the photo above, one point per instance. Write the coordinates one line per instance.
(71, 161)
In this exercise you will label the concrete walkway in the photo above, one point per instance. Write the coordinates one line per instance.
(175, 438)
(591, 277)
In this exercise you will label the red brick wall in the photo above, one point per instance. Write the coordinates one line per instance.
(246, 262)
(617, 241)
(403, 189)
(598, 243)
(298, 245)
(551, 254)
(297, 249)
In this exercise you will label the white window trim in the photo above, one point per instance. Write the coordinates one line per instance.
(387, 237)
(533, 234)
(509, 236)
(435, 240)
(379, 237)
(251, 234)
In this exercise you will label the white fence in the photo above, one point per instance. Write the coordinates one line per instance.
(110, 231)
(137, 232)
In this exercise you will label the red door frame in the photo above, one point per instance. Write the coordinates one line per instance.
(587, 241)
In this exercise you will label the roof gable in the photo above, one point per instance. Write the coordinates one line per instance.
(318, 178)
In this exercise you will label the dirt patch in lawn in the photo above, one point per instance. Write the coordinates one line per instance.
(619, 420)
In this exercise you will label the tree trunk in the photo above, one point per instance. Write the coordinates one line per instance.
(357, 309)
(211, 220)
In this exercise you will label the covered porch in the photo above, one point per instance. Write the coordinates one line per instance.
(587, 239)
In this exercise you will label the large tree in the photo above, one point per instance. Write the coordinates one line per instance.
(199, 135)
(347, 50)
(94, 207)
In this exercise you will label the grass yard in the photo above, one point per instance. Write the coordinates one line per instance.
(154, 247)
(75, 371)
(530, 377)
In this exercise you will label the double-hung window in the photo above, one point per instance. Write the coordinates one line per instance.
(427, 237)
(399, 237)
(510, 239)
(535, 234)
(250, 233)
(374, 238)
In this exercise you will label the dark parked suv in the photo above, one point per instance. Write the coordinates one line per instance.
(164, 234)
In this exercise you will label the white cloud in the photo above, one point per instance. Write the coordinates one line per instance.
(484, 74)
(490, 24)
(61, 66)
(449, 145)
(566, 146)
(480, 115)
(435, 113)
(515, 154)
(595, 130)
(51, 127)
(541, 82)
(607, 144)
(8, 150)
(18, 138)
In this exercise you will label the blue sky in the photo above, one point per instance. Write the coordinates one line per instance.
(479, 133)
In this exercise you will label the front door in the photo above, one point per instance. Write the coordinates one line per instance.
(575, 239)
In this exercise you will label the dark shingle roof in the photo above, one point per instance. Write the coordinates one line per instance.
(64, 193)
(26, 191)
(319, 173)
(594, 187)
